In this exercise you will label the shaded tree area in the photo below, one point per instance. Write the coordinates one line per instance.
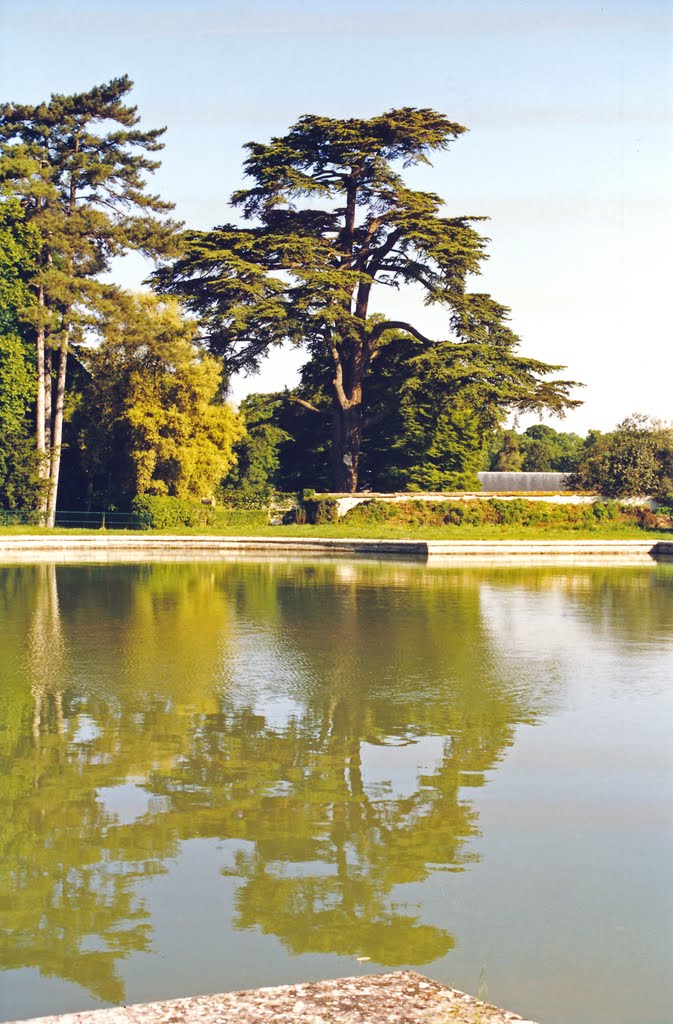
(263, 454)
(430, 415)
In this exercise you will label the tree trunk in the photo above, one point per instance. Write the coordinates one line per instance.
(57, 433)
(47, 404)
(346, 433)
(45, 648)
(40, 406)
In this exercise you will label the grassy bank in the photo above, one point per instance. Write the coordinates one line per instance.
(379, 531)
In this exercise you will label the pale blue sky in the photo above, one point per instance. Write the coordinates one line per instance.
(570, 150)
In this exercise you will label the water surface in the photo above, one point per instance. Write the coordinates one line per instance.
(220, 775)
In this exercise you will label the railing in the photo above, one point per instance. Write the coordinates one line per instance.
(100, 520)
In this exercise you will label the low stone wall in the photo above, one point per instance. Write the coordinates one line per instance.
(401, 997)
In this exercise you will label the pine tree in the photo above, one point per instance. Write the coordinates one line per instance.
(19, 461)
(77, 164)
(330, 218)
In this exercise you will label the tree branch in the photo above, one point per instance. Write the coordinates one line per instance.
(397, 325)
(339, 378)
(304, 403)
(376, 257)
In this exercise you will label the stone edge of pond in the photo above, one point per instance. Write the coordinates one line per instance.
(36, 544)
(398, 997)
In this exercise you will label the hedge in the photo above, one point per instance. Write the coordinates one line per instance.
(20, 517)
(159, 512)
(318, 511)
(496, 511)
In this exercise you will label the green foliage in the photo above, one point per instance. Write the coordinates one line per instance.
(256, 466)
(20, 486)
(152, 418)
(286, 446)
(19, 461)
(545, 450)
(17, 382)
(319, 511)
(508, 458)
(633, 460)
(19, 248)
(500, 512)
(275, 501)
(329, 218)
(428, 414)
(241, 499)
(77, 166)
(161, 512)
(20, 517)
(304, 454)
(420, 431)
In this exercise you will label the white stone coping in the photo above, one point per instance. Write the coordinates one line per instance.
(18, 546)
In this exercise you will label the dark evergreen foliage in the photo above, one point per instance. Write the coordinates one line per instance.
(329, 217)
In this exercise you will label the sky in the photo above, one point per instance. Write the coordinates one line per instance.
(569, 107)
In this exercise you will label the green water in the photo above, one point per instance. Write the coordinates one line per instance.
(220, 775)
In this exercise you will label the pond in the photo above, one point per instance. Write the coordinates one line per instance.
(225, 774)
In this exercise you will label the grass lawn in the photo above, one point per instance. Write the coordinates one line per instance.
(377, 531)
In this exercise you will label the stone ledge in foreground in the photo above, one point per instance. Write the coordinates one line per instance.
(401, 997)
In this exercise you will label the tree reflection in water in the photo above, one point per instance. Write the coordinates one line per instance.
(243, 701)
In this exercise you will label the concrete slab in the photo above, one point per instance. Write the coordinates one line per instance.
(400, 997)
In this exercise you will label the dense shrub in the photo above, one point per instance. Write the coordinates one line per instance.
(319, 511)
(244, 500)
(159, 512)
(497, 511)
(272, 500)
(20, 517)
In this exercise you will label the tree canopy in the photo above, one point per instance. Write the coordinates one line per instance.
(634, 459)
(330, 219)
(19, 461)
(77, 165)
(153, 418)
